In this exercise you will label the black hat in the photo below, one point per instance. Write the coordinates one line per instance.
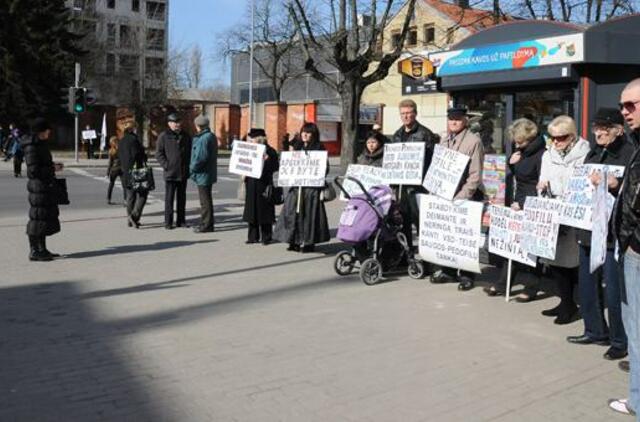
(173, 117)
(606, 116)
(255, 132)
(456, 112)
(40, 124)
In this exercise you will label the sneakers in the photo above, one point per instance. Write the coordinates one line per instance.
(621, 406)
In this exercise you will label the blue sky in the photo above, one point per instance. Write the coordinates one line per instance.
(198, 22)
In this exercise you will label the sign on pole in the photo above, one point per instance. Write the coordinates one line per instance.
(302, 168)
(369, 176)
(247, 159)
(450, 232)
(505, 232)
(541, 226)
(445, 171)
(403, 163)
(600, 226)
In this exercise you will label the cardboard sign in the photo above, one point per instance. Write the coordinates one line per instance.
(369, 176)
(505, 232)
(247, 159)
(600, 226)
(450, 232)
(302, 168)
(403, 163)
(89, 134)
(446, 170)
(494, 180)
(541, 226)
(616, 171)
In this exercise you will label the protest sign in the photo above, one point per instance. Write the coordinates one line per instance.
(403, 163)
(505, 231)
(369, 176)
(302, 168)
(540, 226)
(450, 232)
(247, 159)
(600, 226)
(89, 134)
(445, 172)
(494, 180)
(616, 171)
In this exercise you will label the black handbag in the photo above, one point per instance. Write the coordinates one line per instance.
(60, 191)
(328, 193)
(274, 195)
(141, 179)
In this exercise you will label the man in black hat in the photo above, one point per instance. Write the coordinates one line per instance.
(173, 152)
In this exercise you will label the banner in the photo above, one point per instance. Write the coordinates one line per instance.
(450, 232)
(540, 226)
(302, 168)
(403, 163)
(505, 232)
(369, 176)
(247, 159)
(446, 170)
(600, 226)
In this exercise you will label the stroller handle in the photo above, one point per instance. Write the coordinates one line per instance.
(339, 180)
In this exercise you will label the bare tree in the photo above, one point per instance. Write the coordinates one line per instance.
(194, 71)
(576, 11)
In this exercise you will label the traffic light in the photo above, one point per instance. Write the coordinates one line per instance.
(80, 100)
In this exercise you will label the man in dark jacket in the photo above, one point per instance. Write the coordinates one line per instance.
(413, 131)
(173, 152)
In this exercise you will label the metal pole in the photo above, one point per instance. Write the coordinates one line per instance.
(251, 66)
(76, 119)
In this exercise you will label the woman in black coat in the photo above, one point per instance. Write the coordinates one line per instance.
(302, 230)
(373, 150)
(131, 154)
(43, 214)
(258, 211)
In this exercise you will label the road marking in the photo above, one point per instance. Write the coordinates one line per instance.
(81, 172)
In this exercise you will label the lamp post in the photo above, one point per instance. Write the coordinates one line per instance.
(251, 65)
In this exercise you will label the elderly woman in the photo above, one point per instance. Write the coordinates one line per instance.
(611, 148)
(524, 163)
(567, 152)
(374, 148)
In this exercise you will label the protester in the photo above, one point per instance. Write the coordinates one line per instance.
(203, 170)
(524, 164)
(373, 151)
(43, 214)
(14, 136)
(413, 131)
(303, 229)
(626, 220)
(16, 153)
(459, 138)
(131, 154)
(173, 152)
(89, 144)
(259, 212)
(114, 169)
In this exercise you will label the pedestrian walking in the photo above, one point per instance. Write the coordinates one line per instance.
(131, 154)
(173, 152)
(203, 170)
(373, 150)
(13, 137)
(114, 169)
(17, 154)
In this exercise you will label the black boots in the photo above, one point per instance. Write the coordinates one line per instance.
(38, 250)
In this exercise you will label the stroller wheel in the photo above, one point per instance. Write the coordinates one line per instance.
(344, 263)
(371, 271)
(416, 269)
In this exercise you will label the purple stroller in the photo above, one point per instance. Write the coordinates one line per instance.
(371, 222)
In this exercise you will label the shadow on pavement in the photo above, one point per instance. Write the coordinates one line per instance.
(158, 246)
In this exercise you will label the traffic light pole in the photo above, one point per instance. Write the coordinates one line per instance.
(76, 115)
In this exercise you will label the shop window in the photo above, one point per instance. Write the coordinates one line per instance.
(412, 37)
(135, 5)
(395, 39)
(111, 4)
(429, 34)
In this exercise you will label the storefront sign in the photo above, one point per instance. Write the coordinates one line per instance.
(445, 171)
(518, 55)
(450, 232)
(247, 159)
(417, 75)
(300, 168)
(541, 226)
(505, 232)
(369, 176)
(403, 163)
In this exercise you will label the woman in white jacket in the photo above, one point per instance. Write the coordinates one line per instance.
(566, 152)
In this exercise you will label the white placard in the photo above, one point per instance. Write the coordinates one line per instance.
(450, 232)
(403, 163)
(600, 227)
(247, 159)
(616, 171)
(445, 171)
(369, 176)
(302, 168)
(541, 226)
(89, 134)
(505, 232)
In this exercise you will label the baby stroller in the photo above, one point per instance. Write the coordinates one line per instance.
(372, 223)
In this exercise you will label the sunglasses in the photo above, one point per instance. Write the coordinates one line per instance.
(560, 138)
(630, 106)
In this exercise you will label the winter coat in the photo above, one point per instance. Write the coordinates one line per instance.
(527, 171)
(173, 152)
(626, 216)
(557, 169)
(114, 169)
(371, 159)
(310, 226)
(257, 210)
(203, 168)
(43, 213)
(131, 154)
(470, 144)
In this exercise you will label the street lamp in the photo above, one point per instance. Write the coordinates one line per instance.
(251, 65)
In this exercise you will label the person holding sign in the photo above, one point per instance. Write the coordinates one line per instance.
(258, 211)
(203, 170)
(459, 138)
(374, 150)
(303, 220)
(567, 151)
(611, 148)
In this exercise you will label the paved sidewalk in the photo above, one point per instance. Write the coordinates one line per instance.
(156, 325)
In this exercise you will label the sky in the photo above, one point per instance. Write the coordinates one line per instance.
(199, 22)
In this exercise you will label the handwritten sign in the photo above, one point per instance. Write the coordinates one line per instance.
(505, 232)
(540, 226)
(450, 232)
(616, 171)
(403, 163)
(446, 170)
(89, 134)
(600, 226)
(578, 199)
(494, 180)
(369, 176)
(247, 159)
(302, 168)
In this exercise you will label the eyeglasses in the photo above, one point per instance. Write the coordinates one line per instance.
(560, 138)
(630, 106)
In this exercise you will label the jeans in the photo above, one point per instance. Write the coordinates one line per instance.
(631, 318)
(206, 207)
(175, 190)
(135, 203)
(592, 300)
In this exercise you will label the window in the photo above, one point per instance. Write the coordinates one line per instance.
(154, 67)
(110, 67)
(429, 34)
(135, 5)
(129, 64)
(127, 37)
(111, 34)
(155, 39)
(155, 10)
(78, 4)
(412, 37)
(395, 39)
(111, 4)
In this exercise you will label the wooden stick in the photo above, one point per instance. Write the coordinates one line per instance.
(507, 293)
